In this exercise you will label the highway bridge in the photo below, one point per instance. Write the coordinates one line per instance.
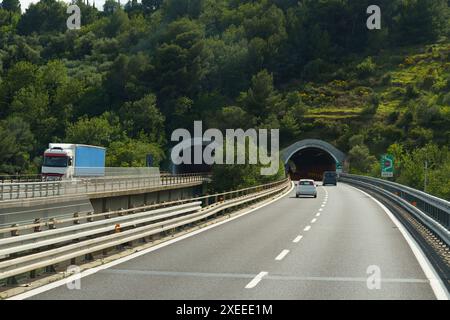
(365, 238)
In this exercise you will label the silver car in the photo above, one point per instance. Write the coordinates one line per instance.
(306, 187)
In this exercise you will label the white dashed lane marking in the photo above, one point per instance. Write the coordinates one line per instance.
(256, 280)
(297, 239)
(307, 228)
(282, 255)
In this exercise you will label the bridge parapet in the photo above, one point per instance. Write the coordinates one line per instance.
(30, 190)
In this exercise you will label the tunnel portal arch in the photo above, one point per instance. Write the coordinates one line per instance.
(309, 158)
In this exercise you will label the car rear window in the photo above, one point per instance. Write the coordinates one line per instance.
(330, 174)
(306, 183)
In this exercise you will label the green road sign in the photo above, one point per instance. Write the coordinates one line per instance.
(338, 167)
(387, 165)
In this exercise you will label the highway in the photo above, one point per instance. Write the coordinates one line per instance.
(290, 249)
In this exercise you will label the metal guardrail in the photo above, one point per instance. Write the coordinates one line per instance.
(25, 190)
(15, 178)
(430, 210)
(29, 252)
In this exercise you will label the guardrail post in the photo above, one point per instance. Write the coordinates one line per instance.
(14, 232)
(76, 215)
(89, 217)
(38, 227)
(52, 224)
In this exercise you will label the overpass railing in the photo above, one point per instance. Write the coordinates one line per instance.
(25, 190)
(430, 210)
(97, 233)
(16, 178)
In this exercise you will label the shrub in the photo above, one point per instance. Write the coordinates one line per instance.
(386, 79)
(366, 68)
(411, 92)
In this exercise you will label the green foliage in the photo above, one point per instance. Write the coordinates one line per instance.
(44, 16)
(361, 161)
(261, 98)
(16, 142)
(132, 153)
(11, 5)
(99, 131)
(366, 68)
(142, 117)
(236, 176)
(410, 168)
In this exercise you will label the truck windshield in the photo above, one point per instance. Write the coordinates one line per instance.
(50, 161)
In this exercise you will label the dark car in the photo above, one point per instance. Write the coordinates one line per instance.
(329, 177)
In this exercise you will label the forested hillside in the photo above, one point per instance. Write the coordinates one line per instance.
(312, 68)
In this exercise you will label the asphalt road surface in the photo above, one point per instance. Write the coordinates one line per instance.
(332, 247)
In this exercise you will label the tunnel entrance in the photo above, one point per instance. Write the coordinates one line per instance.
(310, 163)
(193, 167)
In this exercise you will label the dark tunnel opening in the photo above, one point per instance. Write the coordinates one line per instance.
(310, 163)
(193, 167)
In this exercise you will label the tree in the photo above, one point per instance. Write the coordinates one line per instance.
(118, 23)
(99, 131)
(132, 153)
(11, 5)
(128, 78)
(110, 7)
(33, 105)
(143, 117)
(261, 98)
(361, 161)
(42, 17)
(419, 21)
(151, 5)
(236, 176)
(180, 59)
(16, 143)
(20, 75)
(174, 9)
(89, 14)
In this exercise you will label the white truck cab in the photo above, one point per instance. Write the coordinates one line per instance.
(58, 160)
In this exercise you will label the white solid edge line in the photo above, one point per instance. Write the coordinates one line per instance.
(88, 272)
(282, 255)
(307, 228)
(297, 239)
(436, 284)
(256, 280)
